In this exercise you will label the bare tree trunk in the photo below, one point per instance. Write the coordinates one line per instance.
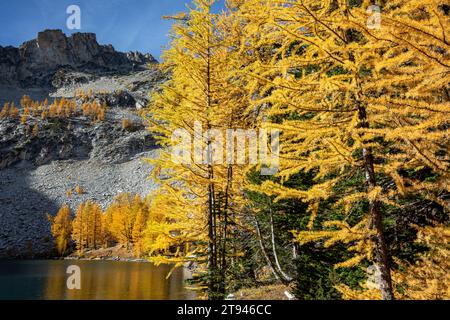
(212, 258)
(263, 250)
(294, 252)
(376, 222)
(225, 228)
(212, 235)
(212, 265)
(284, 276)
(233, 243)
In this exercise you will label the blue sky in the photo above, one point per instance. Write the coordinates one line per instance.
(126, 24)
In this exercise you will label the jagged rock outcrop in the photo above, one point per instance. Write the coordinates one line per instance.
(36, 61)
(140, 58)
(121, 99)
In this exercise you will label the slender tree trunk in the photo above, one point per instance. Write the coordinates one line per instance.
(294, 251)
(223, 270)
(376, 222)
(286, 278)
(212, 266)
(232, 239)
(214, 227)
(212, 233)
(264, 252)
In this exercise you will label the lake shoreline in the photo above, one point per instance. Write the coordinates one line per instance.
(69, 258)
(111, 259)
(116, 253)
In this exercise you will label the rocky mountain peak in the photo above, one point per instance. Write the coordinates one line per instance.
(35, 61)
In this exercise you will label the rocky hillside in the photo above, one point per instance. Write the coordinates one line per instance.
(103, 158)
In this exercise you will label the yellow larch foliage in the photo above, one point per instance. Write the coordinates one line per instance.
(61, 227)
(203, 95)
(358, 239)
(354, 98)
(79, 190)
(426, 279)
(44, 114)
(13, 111)
(124, 212)
(94, 111)
(140, 224)
(124, 222)
(87, 227)
(108, 238)
(62, 108)
(5, 111)
(126, 124)
(25, 115)
(175, 232)
(35, 131)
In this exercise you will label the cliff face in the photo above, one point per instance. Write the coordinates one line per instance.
(34, 62)
(9, 64)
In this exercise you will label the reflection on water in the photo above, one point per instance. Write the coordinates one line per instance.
(100, 280)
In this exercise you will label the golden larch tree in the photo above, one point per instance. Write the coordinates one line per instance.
(61, 228)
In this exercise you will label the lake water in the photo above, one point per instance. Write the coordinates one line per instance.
(100, 280)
